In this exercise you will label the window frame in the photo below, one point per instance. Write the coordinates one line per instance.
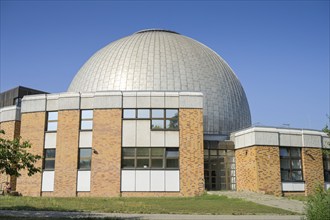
(51, 121)
(86, 119)
(326, 172)
(90, 159)
(48, 159)
(291, 158)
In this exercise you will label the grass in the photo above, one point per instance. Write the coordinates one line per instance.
(299, 198)
(206, 204)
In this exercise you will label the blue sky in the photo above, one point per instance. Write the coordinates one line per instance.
(278, 49)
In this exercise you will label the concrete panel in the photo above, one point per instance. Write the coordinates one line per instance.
(293, 187)
(157, 180)
(172, 139)
(34, 103)
(290, 140)
(129, 99)
(127, 180)
(143, 133)
(143, 100)
(142, 179)
(85, 139)
(249, 139)
(191, 100)
(52, 102)
(129, 133)
(84, 181)
(157, 100)
(171, 102)
(107, 100)
(68, 101)
(10, 113)
(312, 141)
(50, 140)
(266, 138)
(157, 139)
(86, 100)
(48, 181)
(172, 180)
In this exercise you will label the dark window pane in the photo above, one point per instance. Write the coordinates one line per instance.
(213, 152)
(172, 163)
(84, 164)
(85, 152)
(129, 113)
(327, 164)
(284, 152)
(157, 163)
(142, 152)
(157, 113)
(50, 153)
(172, 153)
(128, 163)
(143, 113)
(87, 114)
(128, 152)
(285, 164)
(295, 152)
(296, 175)
(172, 124)
(157, 152)
(285, 175)
(206, 152)
(172, 113)
(142, 163)
(296, 164)
(49, 164)
(327, 176)
(157, 124)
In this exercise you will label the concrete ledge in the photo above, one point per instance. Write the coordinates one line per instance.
(191, 100)
(52, 102)
(34, 103)
(69, 101)
(10, 113)
(107, 100)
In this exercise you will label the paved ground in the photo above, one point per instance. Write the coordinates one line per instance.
(269, 200)
(50, 214)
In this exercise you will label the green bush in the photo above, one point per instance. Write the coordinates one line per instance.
(318, 205)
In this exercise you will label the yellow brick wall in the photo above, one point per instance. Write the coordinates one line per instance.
(12, 130)
(66, 160)
(191, 152)
(106, 164)
(312, 163)
(32, 129)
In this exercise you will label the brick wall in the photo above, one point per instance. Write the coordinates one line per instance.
(106, 163)
(12, 130)
(312, 164)
(66, 160)
(258, 169)
(191, 152)
(32, 129)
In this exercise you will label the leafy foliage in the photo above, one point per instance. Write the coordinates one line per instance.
(14, 157)
(318, 205)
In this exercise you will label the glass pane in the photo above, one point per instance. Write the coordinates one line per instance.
(172, 124)
(142, 163)
(142, 152)
(327, 164)
(172, 113)
(51, 126)
(206, 152)
(296, 175)
(327, 176)
(157, 124)
(87, 114)
(157, 113)
(285, 164)
(128, 152)
(143, 113)
(172, 163)
(157, 152)
(157, 163)
(52, 116)
(295, 152)
(173, 153)
(230, 153)
(285, 175)
(50, 153)
(85, 152)
(284, 152)
(49, 164)
(129, 113)
(296, 164)
(85, 164)
(128, 163)
(86, 125)
(213, 152)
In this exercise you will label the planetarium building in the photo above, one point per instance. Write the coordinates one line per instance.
(158, 114)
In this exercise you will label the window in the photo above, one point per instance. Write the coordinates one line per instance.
(290, 162)
(86, 122)
(52, 118)
(150, 158)
(85, 157)
(326, 165)
(49, 159)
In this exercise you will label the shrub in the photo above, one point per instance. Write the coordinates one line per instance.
(318, 205)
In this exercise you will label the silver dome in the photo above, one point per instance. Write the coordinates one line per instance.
(167, 61)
